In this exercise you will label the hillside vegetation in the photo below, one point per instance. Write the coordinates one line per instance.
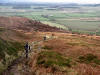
(61, 54)
(8, 52)
(14, 32)
(67, 54)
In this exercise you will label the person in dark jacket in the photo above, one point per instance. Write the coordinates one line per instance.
(44, 38)
(26, 49)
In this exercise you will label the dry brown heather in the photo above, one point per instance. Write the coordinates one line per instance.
(20, 28)
(64, 54)
(72, 46)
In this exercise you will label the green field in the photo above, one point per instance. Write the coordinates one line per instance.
(84, 19)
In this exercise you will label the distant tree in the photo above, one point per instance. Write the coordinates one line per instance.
(69, 29)
(97, 33)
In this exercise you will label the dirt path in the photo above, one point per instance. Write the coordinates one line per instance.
(19, 66)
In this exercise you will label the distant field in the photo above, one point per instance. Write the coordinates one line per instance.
(79, 19)
(81, 25)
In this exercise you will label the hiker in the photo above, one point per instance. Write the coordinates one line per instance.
(44, 37)
(29, 48)
(26, 49)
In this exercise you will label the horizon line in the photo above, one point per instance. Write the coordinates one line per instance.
(49, 2)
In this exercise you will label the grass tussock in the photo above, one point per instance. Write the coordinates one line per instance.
(89, 58)
(51, 59)
(2, 29)
(47, 47)
(8, 52)
(11, 48)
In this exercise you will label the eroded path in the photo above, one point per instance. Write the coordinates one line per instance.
(20, 65)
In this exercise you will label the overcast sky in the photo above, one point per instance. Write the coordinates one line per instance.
(67, 1)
